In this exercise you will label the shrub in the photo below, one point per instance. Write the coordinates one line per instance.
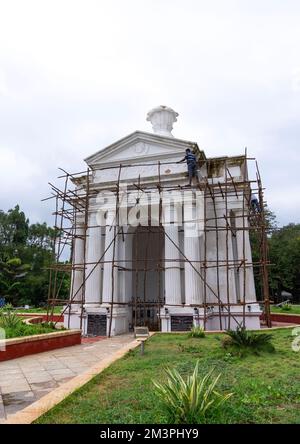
(15, 327)
(286, 307)
(226, 341)
(27, 330)
(197, 332)
(8, 318)
(244, 340)
(190, 401)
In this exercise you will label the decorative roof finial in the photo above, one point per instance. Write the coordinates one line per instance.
(162, 119)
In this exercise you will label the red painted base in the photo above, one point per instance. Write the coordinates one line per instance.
(17, 350)
(286, 318)
(53, 318)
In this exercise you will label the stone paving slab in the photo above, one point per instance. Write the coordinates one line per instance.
(2, 411)
(23, 381)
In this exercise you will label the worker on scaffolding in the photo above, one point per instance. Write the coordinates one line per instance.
(191, 164)
(255, 204)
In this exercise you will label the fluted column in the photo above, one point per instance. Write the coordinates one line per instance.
(124, 277)
(192, 278)
(246, 276)
(78, 259)
(93, 271)
(226, 289)
(110, 281)
(192, 253)
(172, 266)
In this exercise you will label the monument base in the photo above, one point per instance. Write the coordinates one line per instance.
(97, 320)
(184, 318)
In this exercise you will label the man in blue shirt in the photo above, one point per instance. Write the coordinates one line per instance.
(191, 164)
(255, 203)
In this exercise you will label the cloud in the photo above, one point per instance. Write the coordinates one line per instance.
(77, 75)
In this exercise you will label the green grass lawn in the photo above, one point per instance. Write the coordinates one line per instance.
(57, 310)
(27, 330)
(294, 309)
(266, 387)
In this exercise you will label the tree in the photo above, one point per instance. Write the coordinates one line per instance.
(13, 230)
(284, 249)
(12, 272)
(42, 236)
(26, 252)
(255, 240)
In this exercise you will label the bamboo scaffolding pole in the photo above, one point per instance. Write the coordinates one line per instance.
(114, 253)
(160, 213)
(264, 256)
(78, 201)
(217, 256)
(244, 250)
(227, 247)
(205, 259)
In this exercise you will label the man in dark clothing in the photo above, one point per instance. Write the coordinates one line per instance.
(255, 204)
(191, 164)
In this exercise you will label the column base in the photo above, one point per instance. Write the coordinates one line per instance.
(184, 318)
(96, 319)
(235, 319)
(72, 316)
(119, 320)
(179, 318)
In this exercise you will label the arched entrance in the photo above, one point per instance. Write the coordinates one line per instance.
(147, 276)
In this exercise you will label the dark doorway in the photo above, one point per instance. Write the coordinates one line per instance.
(147, 276)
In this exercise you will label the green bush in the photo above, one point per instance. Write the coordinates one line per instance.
(243, 341)
(189, 401)
(15, 327)
(286, 307)
(8, 318)
(27, 330)
(197, 332)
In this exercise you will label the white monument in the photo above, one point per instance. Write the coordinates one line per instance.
(159, 252)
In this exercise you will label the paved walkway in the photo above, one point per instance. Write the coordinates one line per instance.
(25, 380)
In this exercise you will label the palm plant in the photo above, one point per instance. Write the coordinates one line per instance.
(197, 332)
(189, 401)
(8, 318)
(245, 340)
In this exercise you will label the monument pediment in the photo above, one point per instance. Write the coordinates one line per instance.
(140, 146)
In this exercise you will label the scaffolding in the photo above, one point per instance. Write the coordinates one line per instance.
(72, 202)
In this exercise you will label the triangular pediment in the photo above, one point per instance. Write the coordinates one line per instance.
(139, 146)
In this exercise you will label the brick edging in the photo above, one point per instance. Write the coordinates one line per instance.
(52, 318)
(28, 345)
(285, 317)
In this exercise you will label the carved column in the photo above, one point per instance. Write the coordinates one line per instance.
(78, 258)
(246, 277)
(93, 271)
(172, 266)
(110, 280)
(192, 252)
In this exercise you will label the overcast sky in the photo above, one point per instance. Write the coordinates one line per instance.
(76, 76)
